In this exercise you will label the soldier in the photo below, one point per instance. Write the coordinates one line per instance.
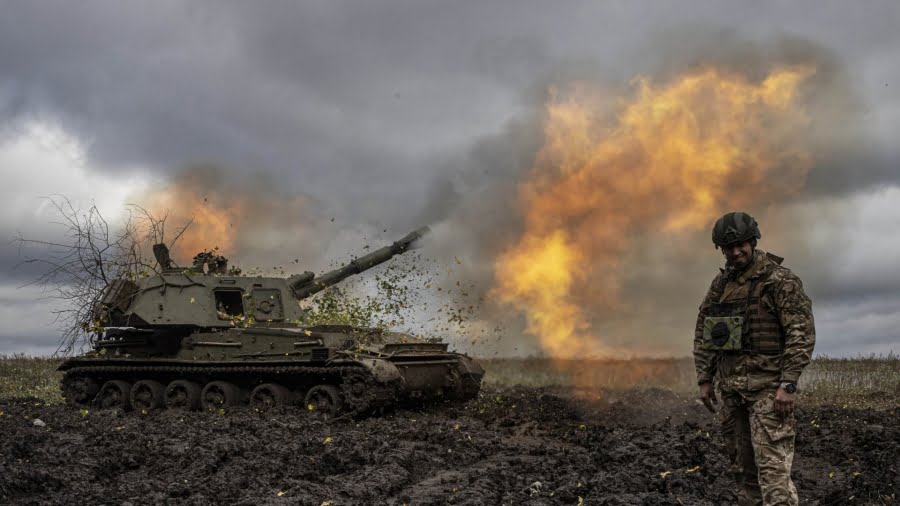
(754, 335)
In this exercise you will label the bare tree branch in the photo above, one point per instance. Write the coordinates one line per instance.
(79, 270)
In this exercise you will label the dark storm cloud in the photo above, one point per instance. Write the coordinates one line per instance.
(318, 95)
(355, 91)
(15, 268)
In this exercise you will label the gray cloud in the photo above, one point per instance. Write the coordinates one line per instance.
(303, 91)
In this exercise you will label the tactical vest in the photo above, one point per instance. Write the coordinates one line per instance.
(742, 323)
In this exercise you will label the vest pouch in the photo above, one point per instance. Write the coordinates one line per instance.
(723, 333)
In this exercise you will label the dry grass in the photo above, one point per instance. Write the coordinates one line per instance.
(670, 374)
(863, 382)
(23, 377)
(854, 382)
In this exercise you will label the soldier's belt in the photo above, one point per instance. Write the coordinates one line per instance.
(723, 333)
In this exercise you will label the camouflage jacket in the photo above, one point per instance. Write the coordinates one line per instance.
(783, 294)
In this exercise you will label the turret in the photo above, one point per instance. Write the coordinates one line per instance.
(210, 295)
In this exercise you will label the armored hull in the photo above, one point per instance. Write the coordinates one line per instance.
(332, 370)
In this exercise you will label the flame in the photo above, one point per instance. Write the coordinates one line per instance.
(667, 160)
(214, 217)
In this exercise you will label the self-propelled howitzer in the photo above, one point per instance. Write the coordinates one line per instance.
(209, 338)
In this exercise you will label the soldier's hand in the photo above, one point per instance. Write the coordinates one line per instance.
(708, 396)
(784, 403)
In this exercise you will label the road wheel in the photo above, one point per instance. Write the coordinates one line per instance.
(358, 392)
(147, 395)
(453, 388)
(78, 389)
(114, 394)
(324, 401)
(183, 394)
(270, 396)
(471, 385)
(218, 395)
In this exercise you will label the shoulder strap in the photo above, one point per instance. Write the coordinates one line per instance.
(775, 258)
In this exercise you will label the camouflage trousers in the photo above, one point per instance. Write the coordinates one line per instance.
(760, 447)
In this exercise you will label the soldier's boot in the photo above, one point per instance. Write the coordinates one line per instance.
(773, 447)
(736, 432)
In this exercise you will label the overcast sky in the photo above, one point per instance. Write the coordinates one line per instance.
(383, 116)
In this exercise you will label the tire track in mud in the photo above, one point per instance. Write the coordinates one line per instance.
(511, 446)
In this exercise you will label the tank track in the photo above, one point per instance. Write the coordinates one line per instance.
(362, 393)
(241, 369)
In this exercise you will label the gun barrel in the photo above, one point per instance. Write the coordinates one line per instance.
(305, 285)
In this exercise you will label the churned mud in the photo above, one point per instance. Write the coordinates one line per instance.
(512, 446)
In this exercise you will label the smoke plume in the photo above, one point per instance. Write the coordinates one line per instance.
(585, 225)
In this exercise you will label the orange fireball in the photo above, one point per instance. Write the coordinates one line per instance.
(199, 196)
(670, 158)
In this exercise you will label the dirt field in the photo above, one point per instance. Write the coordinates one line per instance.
(513, 446)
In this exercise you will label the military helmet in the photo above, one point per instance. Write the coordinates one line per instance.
(735, 227)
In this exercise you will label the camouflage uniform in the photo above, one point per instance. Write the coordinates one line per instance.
(760, 443)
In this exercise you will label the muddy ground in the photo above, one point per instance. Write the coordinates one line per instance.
(513, 446)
